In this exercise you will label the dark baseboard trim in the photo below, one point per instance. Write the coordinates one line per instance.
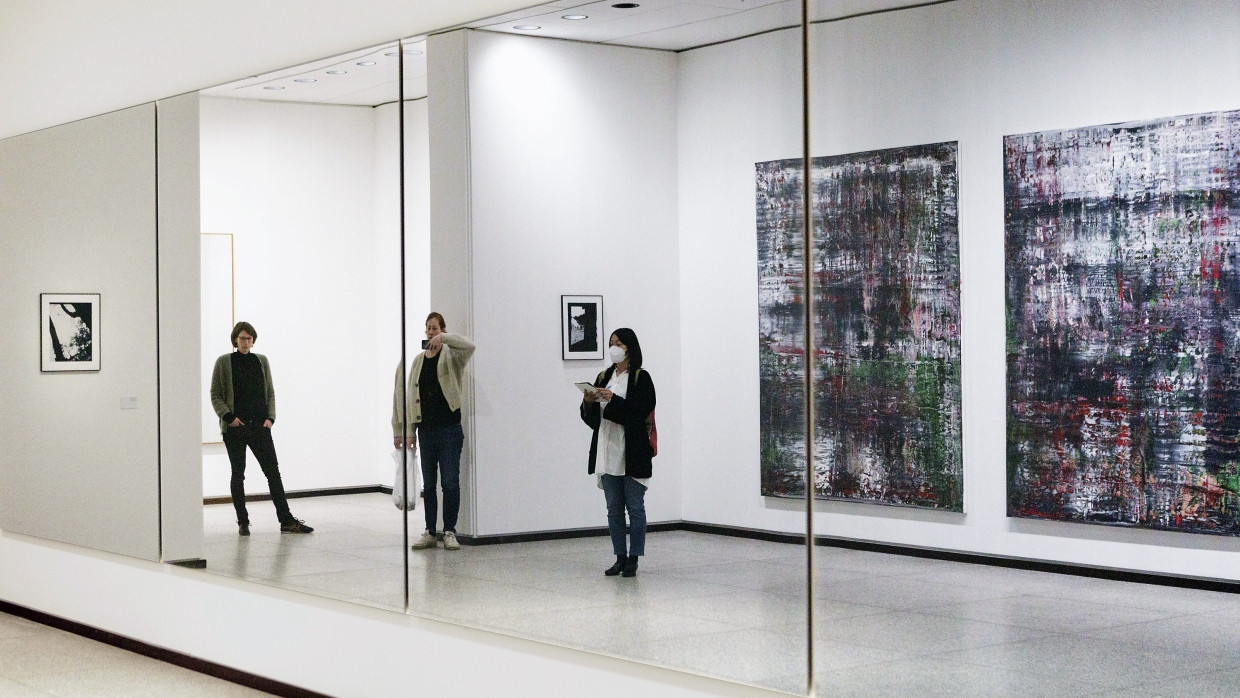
(298, 494)
(202, 666)
(193, 563)
(1110, 573)
(561, 534)
(1119, 575)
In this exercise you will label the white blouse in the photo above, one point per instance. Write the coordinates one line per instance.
(609, 459)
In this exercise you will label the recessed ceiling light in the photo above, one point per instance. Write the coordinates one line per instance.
(625, 5)
(305, 80)
(575, 17)
(337, 72)
(366, 63)
(273, 87)
(526, 27)
(412, 52)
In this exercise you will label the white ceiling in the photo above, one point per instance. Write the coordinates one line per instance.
(342, 79)
(671, 25)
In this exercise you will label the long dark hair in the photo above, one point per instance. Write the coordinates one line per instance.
(633, 347)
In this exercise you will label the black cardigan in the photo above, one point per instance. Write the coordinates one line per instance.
(631, 413)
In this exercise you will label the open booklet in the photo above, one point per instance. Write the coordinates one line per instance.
(586, 387)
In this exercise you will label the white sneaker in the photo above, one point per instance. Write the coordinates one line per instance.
(449, 541)
(426, 541)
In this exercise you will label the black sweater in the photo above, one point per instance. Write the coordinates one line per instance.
(629, 412)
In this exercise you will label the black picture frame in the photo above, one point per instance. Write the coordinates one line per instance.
(69, 332)
(581, 327)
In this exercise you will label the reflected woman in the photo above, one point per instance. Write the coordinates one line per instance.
(434, 396)
(620, 450)
(245, 400)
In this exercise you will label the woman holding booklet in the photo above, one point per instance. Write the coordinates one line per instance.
(617, 407)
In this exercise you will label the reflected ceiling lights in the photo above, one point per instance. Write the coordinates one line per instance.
(273, 87)
(575, 17)
(305, 80)
(526, 27)
(337, 72)
(366, 63)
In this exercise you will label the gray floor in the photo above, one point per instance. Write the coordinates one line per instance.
(735, 608)
(33, 663)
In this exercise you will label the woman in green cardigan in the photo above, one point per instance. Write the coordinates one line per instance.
(243, 397)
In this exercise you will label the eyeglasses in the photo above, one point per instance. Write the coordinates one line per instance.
(244, 338)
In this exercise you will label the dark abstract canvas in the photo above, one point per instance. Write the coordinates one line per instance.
(1123, 323)
(886, 327)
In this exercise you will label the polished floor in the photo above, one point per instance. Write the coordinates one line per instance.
(37, 661)
(735, 608)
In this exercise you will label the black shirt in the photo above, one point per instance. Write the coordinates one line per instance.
(249, 389)
(435, 410)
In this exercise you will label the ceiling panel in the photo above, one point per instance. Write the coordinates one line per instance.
(673, 25)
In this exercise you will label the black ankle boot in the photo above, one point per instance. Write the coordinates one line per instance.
(616, 568)
(243, 528)
(630, 567)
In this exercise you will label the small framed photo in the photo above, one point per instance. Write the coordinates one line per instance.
(581, 320)
(69, 327)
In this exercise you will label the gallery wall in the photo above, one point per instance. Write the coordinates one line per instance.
(572, 174)
(295, 184)
(968, 71)
(77, 207)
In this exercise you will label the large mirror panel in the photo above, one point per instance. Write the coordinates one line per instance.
(301, 309)
(593, 169)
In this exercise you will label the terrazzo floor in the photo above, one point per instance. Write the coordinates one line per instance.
(37, 661)
(735, 608)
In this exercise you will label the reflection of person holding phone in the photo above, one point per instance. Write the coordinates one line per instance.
(245, 400)
(434, 411)
(620, 451)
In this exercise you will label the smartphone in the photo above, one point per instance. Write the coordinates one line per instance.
(425, 343)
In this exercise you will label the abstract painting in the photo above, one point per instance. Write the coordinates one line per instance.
(69, 331)
(886, 327)
(1123, 323)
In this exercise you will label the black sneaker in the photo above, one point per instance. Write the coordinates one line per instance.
(243, 529)
(295, 526)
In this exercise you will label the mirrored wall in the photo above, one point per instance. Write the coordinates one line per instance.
(438, 243)
(302, 241)
(544, 197)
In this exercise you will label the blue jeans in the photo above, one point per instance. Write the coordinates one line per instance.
(441, 455)
(623, 492)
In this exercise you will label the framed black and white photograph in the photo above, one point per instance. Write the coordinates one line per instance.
(69, 325)
(581, 320)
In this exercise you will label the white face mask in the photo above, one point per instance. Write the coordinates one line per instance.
(616, 354)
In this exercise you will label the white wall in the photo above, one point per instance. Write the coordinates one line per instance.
(296, 184)
(969, 71)
(573, 191)
(180, 389)
(417, 223)
(77, 215)
(739, 104)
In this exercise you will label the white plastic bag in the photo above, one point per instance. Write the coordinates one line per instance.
(405, 500)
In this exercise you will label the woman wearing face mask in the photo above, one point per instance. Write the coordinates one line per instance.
(620, 451)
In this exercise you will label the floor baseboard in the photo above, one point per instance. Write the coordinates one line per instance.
(202, 666)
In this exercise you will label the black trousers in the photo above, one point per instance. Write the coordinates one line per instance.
(258, 439)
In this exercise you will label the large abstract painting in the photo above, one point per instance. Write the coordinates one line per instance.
(886, 327)
(1123, 323)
